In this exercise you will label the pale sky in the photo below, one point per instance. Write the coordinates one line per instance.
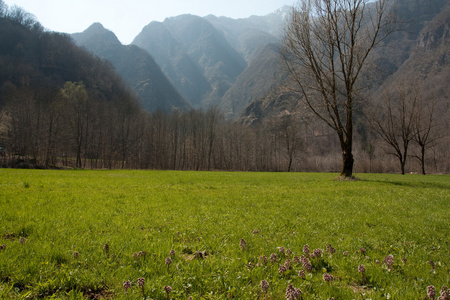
(126, 18)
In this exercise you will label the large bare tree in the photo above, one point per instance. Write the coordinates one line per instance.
(326, 44)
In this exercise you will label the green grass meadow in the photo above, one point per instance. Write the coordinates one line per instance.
(65, 218)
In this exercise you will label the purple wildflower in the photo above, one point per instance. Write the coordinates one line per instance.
(296, 260)
(273, 257)
(361, 269)
(172, 253)
(287, 264)
(282, 269)
(22, 240)
(263, 258)
(264, 285)
(168, 289)
(126, 285)
(306, 250)
(307, 265)
(445, 293)
(141, 282)
(301, 274)
(293, 293)
(2, 247)
(363, 251)
(389, 261)
(431, 291)
(106, 247)
(345, 253)
(281, 249)
(256, 231)
(327, 277)
(135, 254)
(288, 252)
(168, 261)
(316, 253)
(330, 249)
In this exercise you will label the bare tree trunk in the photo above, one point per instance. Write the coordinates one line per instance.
(348, 161)
(326, 45)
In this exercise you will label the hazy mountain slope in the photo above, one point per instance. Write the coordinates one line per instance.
(271, 23)
(262, 74)
(136, 66)
(204, 57)
(246, 37)
(174, 62)
(412, 16)
(417, 53)
(207, 47)
(276, 102)
(428, 66)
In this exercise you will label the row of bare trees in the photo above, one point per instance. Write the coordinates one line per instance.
(51, 128)
(67, 128)
(405, 117)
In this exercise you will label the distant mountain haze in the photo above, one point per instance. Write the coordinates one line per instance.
(209, 61)
(206, 58)
(203, 49)
(189, 61)
(136, 66)
(174, 61)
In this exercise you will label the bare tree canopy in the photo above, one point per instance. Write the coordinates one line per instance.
(394, 120)
(325, 47)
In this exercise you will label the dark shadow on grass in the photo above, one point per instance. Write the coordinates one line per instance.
(422, 185)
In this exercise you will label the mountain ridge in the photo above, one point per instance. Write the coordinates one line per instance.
(221, 61)
(136, 66)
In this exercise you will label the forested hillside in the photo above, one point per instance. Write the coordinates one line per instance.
(32, 58)
(56, 99)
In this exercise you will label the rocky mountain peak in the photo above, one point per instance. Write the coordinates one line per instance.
(97, 34)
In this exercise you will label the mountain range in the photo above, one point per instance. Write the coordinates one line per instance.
(210, 61)
(234, 64)
(189, 61)
(136, 66)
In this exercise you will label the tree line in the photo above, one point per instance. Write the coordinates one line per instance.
(50, 128)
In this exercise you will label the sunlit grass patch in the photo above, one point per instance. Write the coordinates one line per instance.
(68, 217)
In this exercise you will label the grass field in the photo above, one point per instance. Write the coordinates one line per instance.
(55, 225)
